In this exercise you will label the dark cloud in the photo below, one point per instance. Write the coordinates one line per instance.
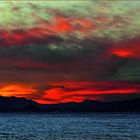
(71, 44)
(67, 60)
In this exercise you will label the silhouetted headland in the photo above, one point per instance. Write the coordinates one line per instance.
(13, 104)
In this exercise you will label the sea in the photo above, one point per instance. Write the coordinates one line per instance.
(69, 126)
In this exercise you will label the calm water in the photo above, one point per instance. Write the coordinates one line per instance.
(69, 126)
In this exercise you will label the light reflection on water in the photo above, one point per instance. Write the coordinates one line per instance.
(92, 126)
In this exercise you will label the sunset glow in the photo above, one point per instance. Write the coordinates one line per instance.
(56, 52)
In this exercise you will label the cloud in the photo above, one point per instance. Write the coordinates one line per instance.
(71, 91)
(16, 90)
(80, 91)
(52, 42)
(127, 49)
(68, 19)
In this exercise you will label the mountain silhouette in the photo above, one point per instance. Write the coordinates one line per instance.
(14, 104)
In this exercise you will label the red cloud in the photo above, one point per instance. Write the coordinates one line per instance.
(71, 91)
(58, 25)
(80, 91)
(129, 49)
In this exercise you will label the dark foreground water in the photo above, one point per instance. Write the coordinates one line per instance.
(14, 126)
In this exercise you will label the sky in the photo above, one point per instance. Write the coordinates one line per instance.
(70, 51)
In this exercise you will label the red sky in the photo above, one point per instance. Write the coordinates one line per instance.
(63, 90)
(72, 56)
(69, 91)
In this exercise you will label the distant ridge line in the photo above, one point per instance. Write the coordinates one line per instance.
(14, 104)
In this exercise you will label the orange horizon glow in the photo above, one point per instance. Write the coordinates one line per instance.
(16, 90)
(62, 92)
